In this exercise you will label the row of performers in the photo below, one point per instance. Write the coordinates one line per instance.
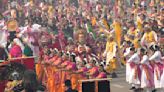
(145, 68)
(56, 67)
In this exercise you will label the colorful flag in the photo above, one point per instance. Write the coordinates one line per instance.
(90, 30)
(107, 26)
(118, 33)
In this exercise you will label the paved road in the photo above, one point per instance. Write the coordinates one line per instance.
(119, 84)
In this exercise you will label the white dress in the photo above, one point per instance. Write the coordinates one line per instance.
(136, 60)
(146, 73)
(110, 54)
(156, 57)
(162, 77)
(162, 80)
(3, 38)
(127, 56)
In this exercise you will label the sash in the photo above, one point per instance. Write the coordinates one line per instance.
(137, 70)
(148, 74)
(158, 70)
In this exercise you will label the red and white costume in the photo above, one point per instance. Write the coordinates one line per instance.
(162, 77)
(134, 75)
(127, 56)
(146, 73)
(156, 57)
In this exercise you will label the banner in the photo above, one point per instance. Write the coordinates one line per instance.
(29, 62)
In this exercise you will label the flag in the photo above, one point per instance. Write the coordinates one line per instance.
(118, 33)
(107, 26)
(90, 30)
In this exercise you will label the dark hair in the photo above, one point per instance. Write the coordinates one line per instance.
(132, 49)
(142, 50)
(68, 83)
(154, 48)
(30, 81)
(151, 48)
(128, 42)
(161, 30)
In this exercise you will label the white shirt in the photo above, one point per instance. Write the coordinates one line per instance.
(145, 59)
(135, 58)
(127, 51)
(156, 57)
(3, 38)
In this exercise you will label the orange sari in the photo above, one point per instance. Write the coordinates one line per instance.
(74, 80)
(51, 79)
(39, 71)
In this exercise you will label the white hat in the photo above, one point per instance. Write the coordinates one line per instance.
(36, 26)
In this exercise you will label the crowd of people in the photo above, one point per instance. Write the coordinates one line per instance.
(86, 40)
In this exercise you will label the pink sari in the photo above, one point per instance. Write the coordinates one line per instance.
(15, 51)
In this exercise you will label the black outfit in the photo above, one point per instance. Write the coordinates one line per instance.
(68, 31)
(71, 90)
(3, 54)
(12, 35)
(37, 20)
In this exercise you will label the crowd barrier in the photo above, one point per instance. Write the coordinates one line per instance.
(95, 85)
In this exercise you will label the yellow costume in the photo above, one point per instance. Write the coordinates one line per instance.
(133, 36)
(149, 38)
(139, 23)
(136, 43)
(134, 32)
(50, 10)
(110, 54)
(93, 21)
(118, 32)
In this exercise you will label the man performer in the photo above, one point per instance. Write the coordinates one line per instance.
(110, 54)
(149, 37)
